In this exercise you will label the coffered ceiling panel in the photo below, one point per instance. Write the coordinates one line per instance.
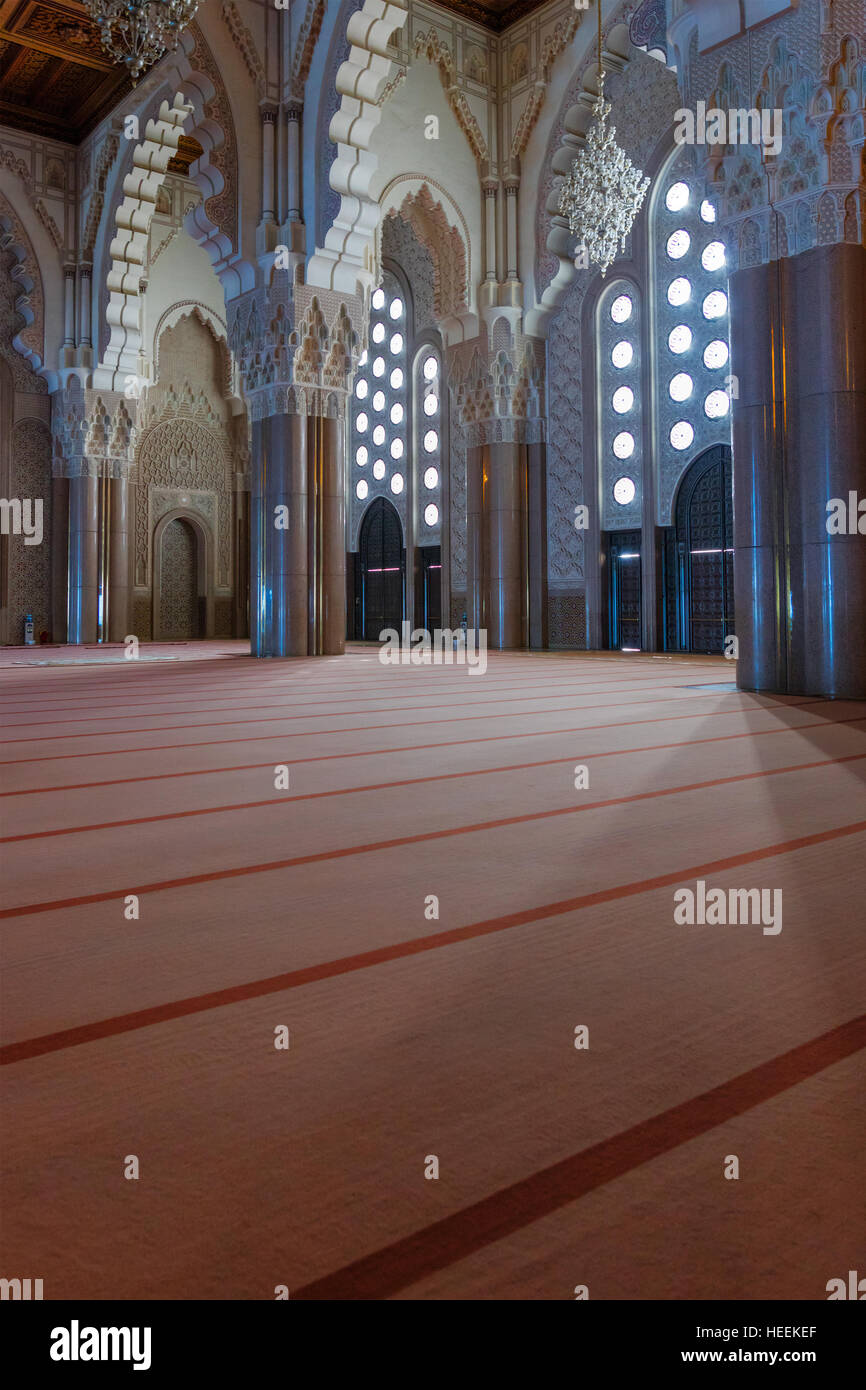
(55, 79)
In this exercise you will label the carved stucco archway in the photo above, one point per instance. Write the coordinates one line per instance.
(203, 110)
(29, 341)
(347, 261)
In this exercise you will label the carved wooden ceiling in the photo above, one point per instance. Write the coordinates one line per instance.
(55, 79)
(493, 14)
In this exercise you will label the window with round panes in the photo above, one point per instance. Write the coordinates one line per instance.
(693, 387)
(379, 411)
(428, 446)
(618, 342)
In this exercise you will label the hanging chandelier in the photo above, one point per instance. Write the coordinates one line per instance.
(136, 33)
(604, 192)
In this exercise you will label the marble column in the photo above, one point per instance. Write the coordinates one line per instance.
(59, 558)
(476, 606)
(269, 117)
(799, 356)
(490, 231)
(333, 558)
(84, 286)
(293, 124)
(118, 560)
(511, 230)
(69, 306)
(506, 520)
(278, 539)
(536, 556)
(83, 607)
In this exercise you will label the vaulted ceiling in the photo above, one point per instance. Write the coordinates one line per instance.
(55, 79)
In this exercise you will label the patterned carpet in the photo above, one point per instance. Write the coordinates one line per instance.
(462, 909)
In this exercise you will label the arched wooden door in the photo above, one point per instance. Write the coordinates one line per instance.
(180, 606)
(382, 563)
(699, 557)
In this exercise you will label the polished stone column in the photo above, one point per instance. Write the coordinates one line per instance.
(799, 356)
(278, 553)
(83, 559)
(476, 605)
(240, 607)
(333, 557)
(59, 558)
(118, 560)
(536, 557)
(506, 523)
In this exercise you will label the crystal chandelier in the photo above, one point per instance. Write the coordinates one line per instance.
(604, 192)
(136, 33)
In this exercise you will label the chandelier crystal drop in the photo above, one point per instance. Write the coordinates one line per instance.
(137, 33)
(604, 192)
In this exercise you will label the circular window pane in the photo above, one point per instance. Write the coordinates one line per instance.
(361, 489)
(396, 379)
(624, 491)
(620, 309)
(362, 360)
(677, 197)
(361, 389)
(681, 387)
(678, 244)
(622, 355)
(397, 414)
(361, 456)
(623, 445)
(431, 477)
(379, 366)
(431, 368)
(397, 449)
(378, 299)
(396, 309)
(431, 404)
(431, 514)
(679, 291)
(379, 434)
(716, 354)
(379, 400)
(623, 400)
(361, 423)
(713, 257)
(397, 483)
(708, 212)
(378, 332)
(680, 339)
(379, 469)
(396, 343)
(682, 435)
(431, 441)
(716, 305)
(717, 405)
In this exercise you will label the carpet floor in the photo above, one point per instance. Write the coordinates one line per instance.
(510, 1070)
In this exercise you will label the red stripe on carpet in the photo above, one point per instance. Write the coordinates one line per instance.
(295, 979)
(414, 781)
(412, 724)
(323, 856)
(405, 1262)
(421, 747)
